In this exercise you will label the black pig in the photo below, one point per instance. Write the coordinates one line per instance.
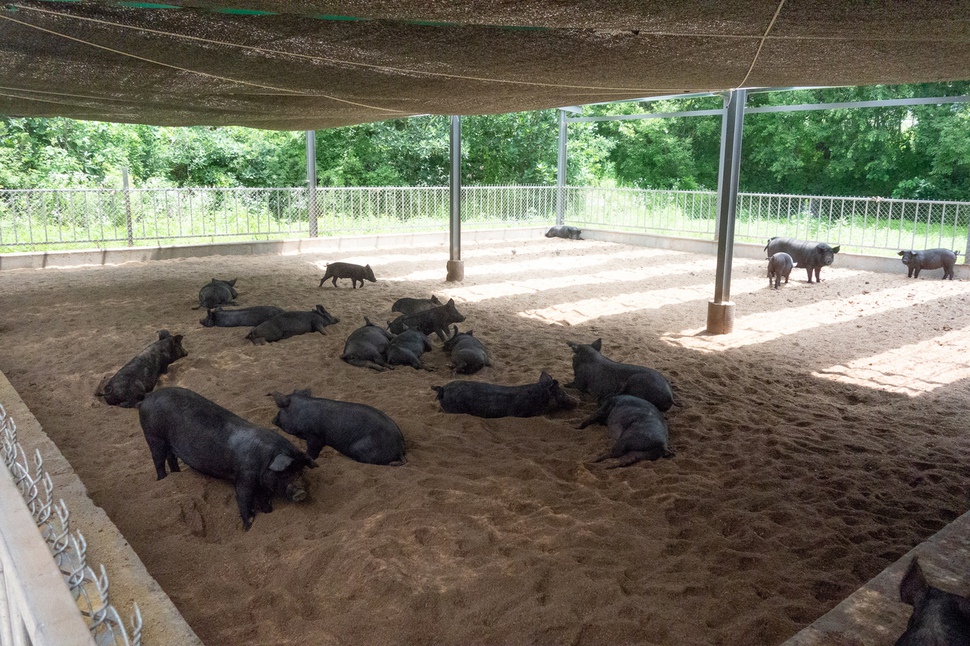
(128, 387)
(929, 259)
(468, 354)
(218, 292)
(810, 255)
(414, 305)
(563, 231)
(360, 432)
(244, 317)
(179, 423)
(366, 345)
(406, 349)
(432, 321)
(638, 429)
(939, 618)
(489, 400)
(287, 324)
(779, 266)
(349, 270)
(602, 377)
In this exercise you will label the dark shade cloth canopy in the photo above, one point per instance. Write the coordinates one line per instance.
(310, 64)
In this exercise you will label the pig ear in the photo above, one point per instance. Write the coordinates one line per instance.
(434, 299)
(302, 393)
(913, 586)
(597, 344)
(574, 346)
(163, 334)
(178, 338)
(282, 401)
(451, 301)
(544, 378)
(836, 249)
(900, 253)
(232, 283)
(280, 463)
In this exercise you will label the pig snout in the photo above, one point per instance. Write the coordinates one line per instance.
(296, 491)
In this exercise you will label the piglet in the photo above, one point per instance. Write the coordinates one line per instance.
(243, 317)
(218, 292)
(779, 266)
(365, 347)
(602, 377)
(181, 424)
(564, 231)
(468, 354)
(637, 427)
(406, 348)
(412, 305)
(349, 270)
(431, 321)
(490, 400)
(939, 618)
(128, 387)
(287, 324)
(358, 431)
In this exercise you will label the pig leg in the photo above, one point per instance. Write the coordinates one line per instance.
(599, 416)
(161, 451)
(916, 272)
(334, 281)
(314, 446)
(318, 326)
(264, 500)
(632, 458)
(244, 500)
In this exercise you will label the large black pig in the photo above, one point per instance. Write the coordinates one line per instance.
(929, 259)
(939, 618)
(468, 354)
(181, 424)
(128, 387)
(349, 270)
(243, 317)
(810, 255)
(366, 345)
(287, 324)
(358, 431)
(218, 292)
(602, 377)
(431, 321)
(638, 429)
(490, 400)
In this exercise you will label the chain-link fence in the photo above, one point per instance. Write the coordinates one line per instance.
(46, 219)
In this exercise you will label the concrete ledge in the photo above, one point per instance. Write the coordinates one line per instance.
(891, 265)
(130, 581)
(79, 258)
(873, 615)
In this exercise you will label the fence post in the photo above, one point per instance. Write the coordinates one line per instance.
(125, 187)
(311, 181)
(455, 267)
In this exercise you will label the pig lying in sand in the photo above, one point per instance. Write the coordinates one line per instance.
(128, 387)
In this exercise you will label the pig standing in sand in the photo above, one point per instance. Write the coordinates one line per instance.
(354, 272)
(779, 266)
(929, 259)
(181, 424)
(810, 255)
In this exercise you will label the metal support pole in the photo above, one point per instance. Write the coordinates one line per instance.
(561, 172)
(313, 211)
(124, 185)
(456, 268)
(720, 311)
(720, 166)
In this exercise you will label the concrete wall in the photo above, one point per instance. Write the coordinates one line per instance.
(41, 260)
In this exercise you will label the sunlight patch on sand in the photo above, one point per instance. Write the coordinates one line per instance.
(942, 360)
(768, 326)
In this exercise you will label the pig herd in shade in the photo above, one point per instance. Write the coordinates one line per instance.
(180, 424)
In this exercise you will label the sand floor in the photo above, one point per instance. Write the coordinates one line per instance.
(815, 445)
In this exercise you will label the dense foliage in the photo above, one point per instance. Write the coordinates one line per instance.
(909, 151)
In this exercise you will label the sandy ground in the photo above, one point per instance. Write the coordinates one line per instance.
(815, 445)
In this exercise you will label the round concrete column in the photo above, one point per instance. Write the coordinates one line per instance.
(456, 271)
(720, 317)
